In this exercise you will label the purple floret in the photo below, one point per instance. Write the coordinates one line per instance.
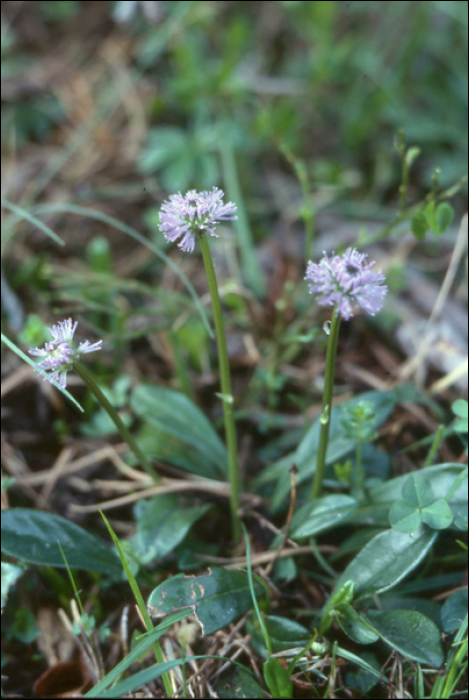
(183, 216)
(347, 281)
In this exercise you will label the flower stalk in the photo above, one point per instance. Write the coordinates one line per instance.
(344, 282)
(325, 420)
(184, 218)
(225, 384)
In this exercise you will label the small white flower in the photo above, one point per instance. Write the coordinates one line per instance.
(58, 355)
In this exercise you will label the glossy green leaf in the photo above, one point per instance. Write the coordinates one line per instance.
(414, 635)
(216, 598)
(438, 514)
(404, 518)
(386, 559)
(417, 490)
(321, 515)
(454, 610)
(355, 626)
(176, 414)
(441, 477)
(237, 682)
(32, 535)
(342, 595)
(157, 443)
(162, 523)
(277, 678)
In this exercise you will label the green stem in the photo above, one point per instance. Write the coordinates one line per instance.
(358, 491)
(114, 416)
(435, 445)
(225, 382)
(326, 405)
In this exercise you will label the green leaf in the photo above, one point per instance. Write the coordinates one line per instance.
(454, 610)
(277, 679)
(162, 523)
(418, 225)
(429, 212)
(360, 679)
(441, 476)
(321, 515)
(180, 417)
(216, 598)
(460, 408)
(438, 514)
(10, 574)
(414, 635)
(355, 626)
(385, 560)
(342, 595)
(33, 536)
(283, 634)
(24, 626)
(237, 682)
(444, 215)
(339, 446)
(157, 443)
(404, 518)
(411, 154)
(164, 144)
(417, 491)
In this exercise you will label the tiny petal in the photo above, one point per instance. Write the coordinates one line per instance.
(181, 217)
(347, 281)
(63, 332)
(86, 346)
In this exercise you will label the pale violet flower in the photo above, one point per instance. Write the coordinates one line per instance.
(183, 216)
(58, 355)
(348, 281)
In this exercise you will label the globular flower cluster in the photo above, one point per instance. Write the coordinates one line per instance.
(348, 281)
(58, 355)
(184, 216)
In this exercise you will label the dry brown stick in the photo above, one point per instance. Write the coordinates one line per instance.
(219, 489)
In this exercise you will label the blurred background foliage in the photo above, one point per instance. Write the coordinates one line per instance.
(330, 81)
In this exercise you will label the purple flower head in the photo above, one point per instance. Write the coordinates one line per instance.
(347, 281)
(182, 216)
(57, 356)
